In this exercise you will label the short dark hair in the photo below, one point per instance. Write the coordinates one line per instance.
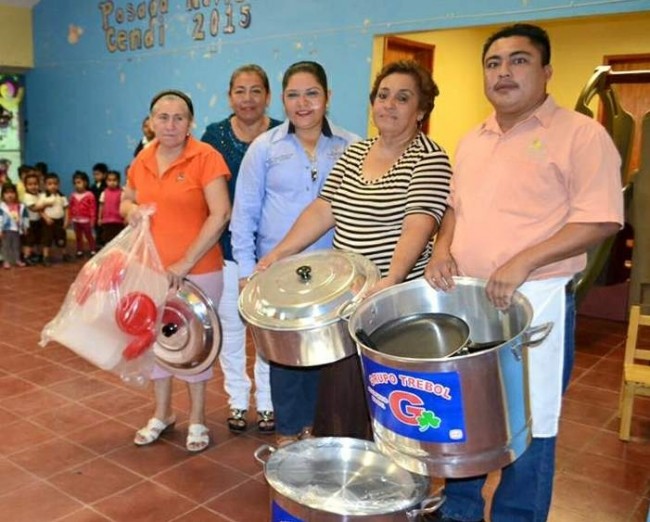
(313, 68)
(114, 173)
(22, 169)
(41, 166)
(8, 187)
(101, 167)
(427, 88)
(250, 68)
(52, 175)
(537, 36)
(79, 174)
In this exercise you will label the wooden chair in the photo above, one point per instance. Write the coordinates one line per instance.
(636, 370)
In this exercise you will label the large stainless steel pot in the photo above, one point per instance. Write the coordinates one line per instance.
(457, 416)
(335, 479)
(296, 309)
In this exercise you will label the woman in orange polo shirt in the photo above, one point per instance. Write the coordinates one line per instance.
(186, 181)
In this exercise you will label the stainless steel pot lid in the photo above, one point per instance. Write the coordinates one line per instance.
(189, 339)
(306, 290)
(343, 476)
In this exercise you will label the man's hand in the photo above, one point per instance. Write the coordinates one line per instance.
(505, 280)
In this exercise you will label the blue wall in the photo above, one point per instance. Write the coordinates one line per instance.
(86, 98)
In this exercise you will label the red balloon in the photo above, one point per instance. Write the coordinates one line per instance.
(136, 313)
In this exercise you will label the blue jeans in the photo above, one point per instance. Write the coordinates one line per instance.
(293, 392)
(526, 486)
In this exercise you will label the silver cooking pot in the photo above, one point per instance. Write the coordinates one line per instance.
(457, 416)
(297, 308)
(336, 479)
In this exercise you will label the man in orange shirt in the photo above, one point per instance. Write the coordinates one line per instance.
(534, 187)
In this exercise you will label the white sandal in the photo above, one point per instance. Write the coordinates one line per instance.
(198, 438)
(152, 431)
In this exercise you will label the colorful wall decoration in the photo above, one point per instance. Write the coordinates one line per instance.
(12, 92)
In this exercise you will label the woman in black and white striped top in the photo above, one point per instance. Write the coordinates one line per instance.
(385, 196)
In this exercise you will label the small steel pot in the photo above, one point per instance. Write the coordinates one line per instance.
(189, 339)
(336, 479)
(297, 308)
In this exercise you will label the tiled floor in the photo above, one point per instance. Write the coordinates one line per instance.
(66, 451)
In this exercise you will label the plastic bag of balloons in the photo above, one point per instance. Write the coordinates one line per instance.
(113, 309)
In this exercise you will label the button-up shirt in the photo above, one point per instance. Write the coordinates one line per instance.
(277, 181)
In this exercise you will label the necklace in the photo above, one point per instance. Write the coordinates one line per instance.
(312, 155)
(313, 160)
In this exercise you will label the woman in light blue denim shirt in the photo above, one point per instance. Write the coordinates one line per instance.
(282, 172)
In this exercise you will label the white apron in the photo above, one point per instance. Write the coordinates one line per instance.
(546, 361)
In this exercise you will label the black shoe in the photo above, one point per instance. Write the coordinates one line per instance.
(79, 254)
(47, 261)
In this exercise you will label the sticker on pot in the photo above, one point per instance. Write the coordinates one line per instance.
(418, 405)
(280, 515)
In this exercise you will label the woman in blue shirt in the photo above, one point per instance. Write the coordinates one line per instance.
(282, 172)
(249, 95)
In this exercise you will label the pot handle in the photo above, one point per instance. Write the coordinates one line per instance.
(263, 453)
(541, 331)
(429, 505)
(347, 309)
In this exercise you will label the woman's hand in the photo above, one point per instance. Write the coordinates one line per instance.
(177, 272)
(267, 261)
(440, 270)
(384, 282)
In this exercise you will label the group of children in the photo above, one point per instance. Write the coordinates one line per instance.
(35, 215)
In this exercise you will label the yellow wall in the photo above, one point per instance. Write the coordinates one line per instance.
(578, 46)
(16, 47)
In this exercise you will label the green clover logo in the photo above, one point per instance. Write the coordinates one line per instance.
(428, 420)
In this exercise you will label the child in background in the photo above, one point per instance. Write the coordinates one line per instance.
(55, 218)
(33, 238)
(13, 222)
(110, 220)
(99, 184)
(82, 212)
(4, 171)
(41, 170)
(23, 170)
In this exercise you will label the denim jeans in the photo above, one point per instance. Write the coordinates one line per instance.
(526, 487)
(294, 392)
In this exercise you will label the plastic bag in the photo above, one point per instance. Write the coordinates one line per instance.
(113, 309)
